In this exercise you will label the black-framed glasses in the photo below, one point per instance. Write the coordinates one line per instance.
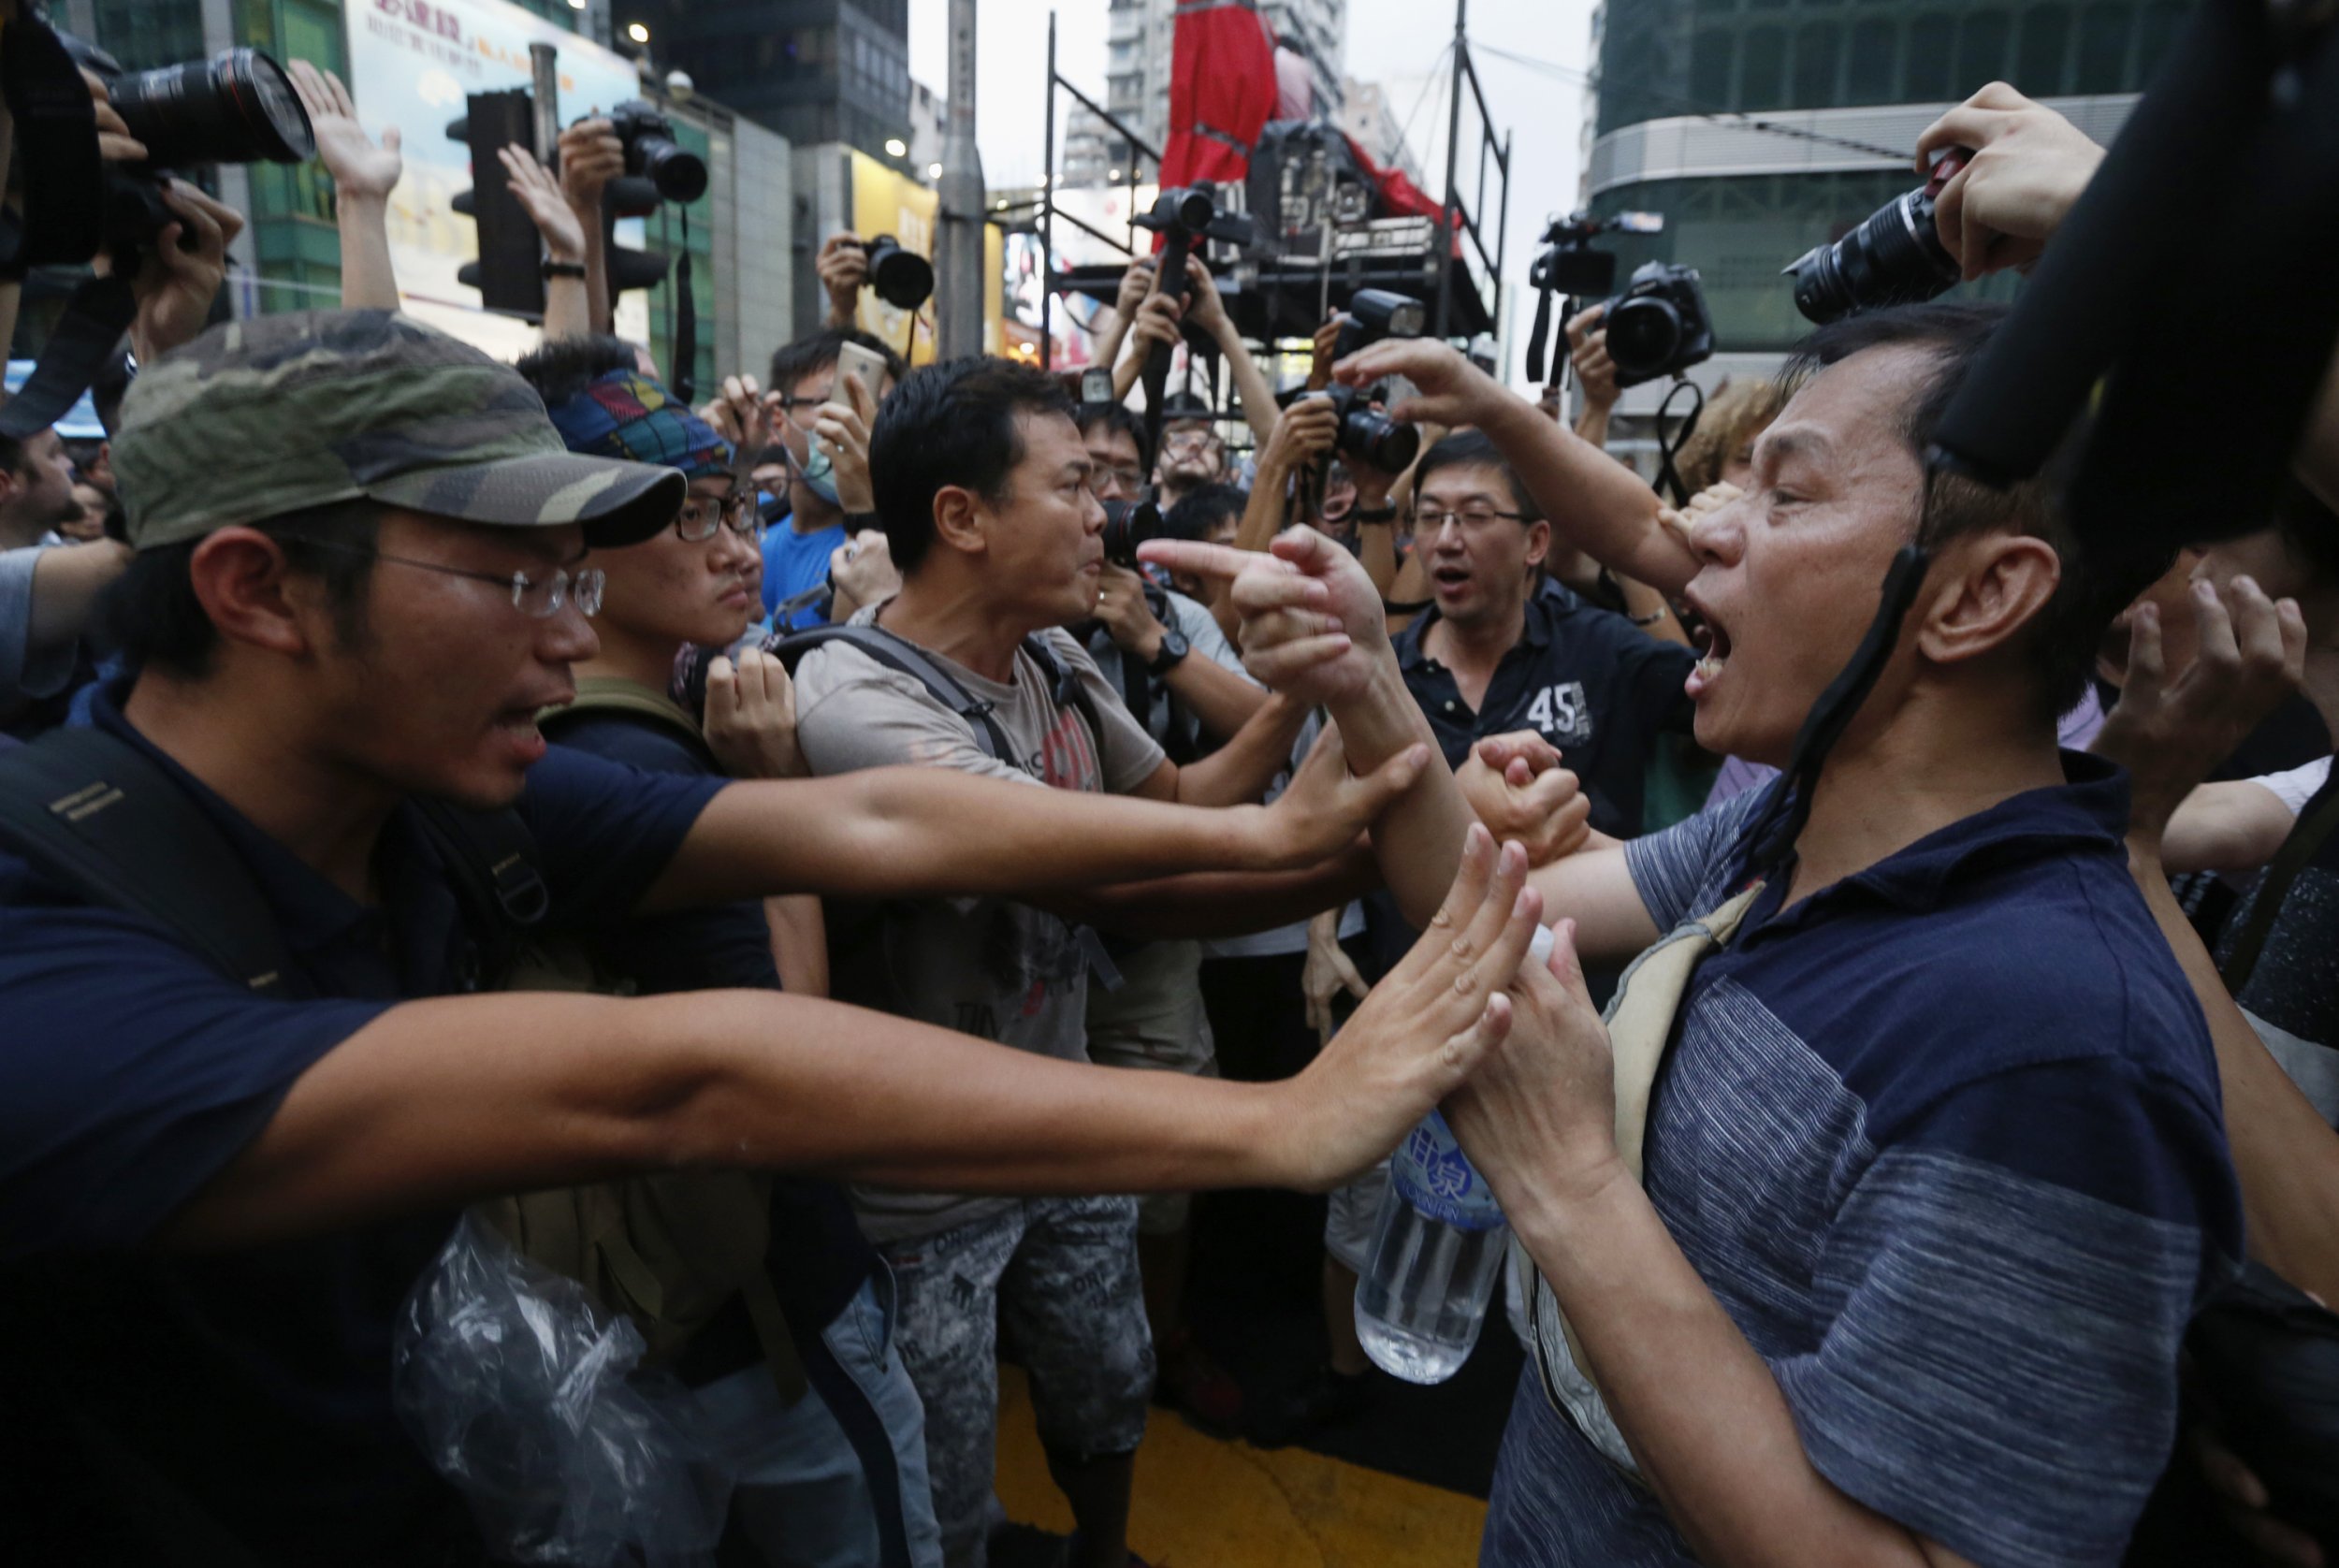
(700, 516)
(789, 402)
(1471, 518)
(538, 597)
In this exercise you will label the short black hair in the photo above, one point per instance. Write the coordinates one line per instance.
(1186, 404)
(152, 617)
(792, 362)
(955, 423)
(2098, 578)
(1120, 417)
(565, 367)
(1203, 509)
(1474, 449)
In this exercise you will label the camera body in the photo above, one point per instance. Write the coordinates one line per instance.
(1370, 436)
(1895, 257)
(1659, 325)
(652, 154)
(903, 279)
(1128, 525)
(1375, 313)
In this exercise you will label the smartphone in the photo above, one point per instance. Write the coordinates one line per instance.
(863, 364)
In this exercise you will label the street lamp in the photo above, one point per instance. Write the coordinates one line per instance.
(896, 148)
(635, 31)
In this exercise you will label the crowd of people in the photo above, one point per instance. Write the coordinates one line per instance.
(820, 880)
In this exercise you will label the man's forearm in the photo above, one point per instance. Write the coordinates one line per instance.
(369, 282)
(1703, 1417)
(68, 580)
(911, 831)
(1376, 552)
(1593, 501)
(1241, 770)
(1226, 902)
(1250, 384)
(1263, 514)
(1221, 701)
(601, 312)
(2285, 1154)
(1419, 838)
(1591, 425)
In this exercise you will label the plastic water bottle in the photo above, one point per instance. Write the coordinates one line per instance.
(1435, 1257)
(1440, 1244)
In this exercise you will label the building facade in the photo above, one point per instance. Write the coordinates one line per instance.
(1760, 128)
(810, 70)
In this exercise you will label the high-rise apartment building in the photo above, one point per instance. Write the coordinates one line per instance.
(1762, 127)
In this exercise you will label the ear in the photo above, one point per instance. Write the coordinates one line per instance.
(242, 582)
(1993, 587)
(960, 520)
(1538, 543)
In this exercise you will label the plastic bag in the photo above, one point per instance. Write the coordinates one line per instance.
(526, 1396)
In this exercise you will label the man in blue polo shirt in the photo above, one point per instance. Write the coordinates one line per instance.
(216, 1184)
(1933, 1173)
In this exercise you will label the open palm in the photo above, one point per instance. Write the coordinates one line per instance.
(359, 167)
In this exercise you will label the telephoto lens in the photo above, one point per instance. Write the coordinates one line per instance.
(903, 279)
(1128, 525)
(236, 107)
(1370, 436)
(652, 154)
(1896, 258)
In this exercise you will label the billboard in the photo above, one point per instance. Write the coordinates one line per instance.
(411, 65)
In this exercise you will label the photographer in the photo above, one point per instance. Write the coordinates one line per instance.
(823, 429)
(1916, 970)
(313, 668)
(1160, 321)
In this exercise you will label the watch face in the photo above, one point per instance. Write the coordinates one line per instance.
(1173, 647)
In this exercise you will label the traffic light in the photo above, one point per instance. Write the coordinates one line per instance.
(507, 274)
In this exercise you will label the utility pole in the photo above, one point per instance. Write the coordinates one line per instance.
(958, 247)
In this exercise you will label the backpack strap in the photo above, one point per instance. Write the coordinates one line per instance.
(902, 655)
(91, 812)
(611, 694)
(1066, 690)
(491, 859)
(2307, 836)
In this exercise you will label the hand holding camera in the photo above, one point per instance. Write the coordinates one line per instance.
(1123, 609)
(1588, 350)
(182, 270)
(750, 724)
(115, 144)
(1135, 284)
(2026, 168)
(1303, 434)
(1448, 390)
(843, 265)
(591, 156)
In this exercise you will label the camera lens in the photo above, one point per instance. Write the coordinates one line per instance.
(679, 174)
(237, 108)
(1195, 210)
(1378, 440)
(1644, 336)
(1895, 257)
(1128, 525)
(903, 279)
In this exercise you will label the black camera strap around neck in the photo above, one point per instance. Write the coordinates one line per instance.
(686, 320)
(85, 338)
(56, 139)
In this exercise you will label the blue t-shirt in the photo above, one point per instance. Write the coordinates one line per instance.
(796, 563)
(255, 1380)
(1945, 1140)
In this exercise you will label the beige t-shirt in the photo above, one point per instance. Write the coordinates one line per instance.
(985, 966)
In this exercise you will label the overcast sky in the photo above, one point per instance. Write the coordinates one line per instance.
(1388, 41)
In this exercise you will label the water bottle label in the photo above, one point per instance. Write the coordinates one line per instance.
(1433, 1174)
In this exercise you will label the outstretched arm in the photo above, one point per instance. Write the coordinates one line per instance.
(364, 175)
(1209, 313)
(447, 1101)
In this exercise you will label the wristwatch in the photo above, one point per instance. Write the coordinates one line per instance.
(1375, 513)
(563, 269)
(1173, 651)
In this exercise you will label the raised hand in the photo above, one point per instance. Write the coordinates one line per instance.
(1588, 350)
(1303, 432)
(2170, 730)
(1313, 626)
(1449, 391)
(1327, 348)
(2028, 166)
(1204, 307)
(1326, 808)
(843, 265)
(546, 203)
(591, 157)
(115, 144)
(1135, 284)
(842, 427)
(1544, 810)
(741, 418)
(1439, 1014)
(176, 281)
(361, 171)
(750, 724)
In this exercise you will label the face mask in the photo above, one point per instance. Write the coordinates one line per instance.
(819, 474)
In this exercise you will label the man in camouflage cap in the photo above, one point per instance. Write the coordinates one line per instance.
(360, 577)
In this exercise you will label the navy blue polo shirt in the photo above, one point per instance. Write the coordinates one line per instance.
(133, 1072)
(1589, 681)
(1945, 1140)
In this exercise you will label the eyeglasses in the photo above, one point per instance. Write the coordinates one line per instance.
(1473, 519)
(701, 515)
(537, 597)
(811, 404)
(1129, 478)
(1190, 441)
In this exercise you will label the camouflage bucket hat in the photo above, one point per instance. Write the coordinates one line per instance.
(277, 414)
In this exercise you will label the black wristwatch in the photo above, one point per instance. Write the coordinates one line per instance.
(1375, 513)
(563, 269)
(1174, 648)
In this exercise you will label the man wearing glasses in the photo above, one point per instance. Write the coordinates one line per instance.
(1193, 454)
(822, 437)
(360, 581)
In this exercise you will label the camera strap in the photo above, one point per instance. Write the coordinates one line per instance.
(86, 337)
(56, 141)
(1669, 448)
(1538, 338)
(686, 320)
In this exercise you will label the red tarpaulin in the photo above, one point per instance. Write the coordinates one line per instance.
(1222, 90)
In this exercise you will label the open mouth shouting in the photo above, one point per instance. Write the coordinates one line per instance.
(1714, 652)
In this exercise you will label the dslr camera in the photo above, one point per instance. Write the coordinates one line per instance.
(1895, 257)
(1128, 525)
(1375, 313)
(652, 154)
(1659, 325)
(903, 279)
(236, 107)
(1370, 436)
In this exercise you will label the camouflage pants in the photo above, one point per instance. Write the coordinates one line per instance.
(1062, 1271)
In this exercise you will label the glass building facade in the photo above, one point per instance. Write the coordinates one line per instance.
(813, 70)
(1683, 61)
